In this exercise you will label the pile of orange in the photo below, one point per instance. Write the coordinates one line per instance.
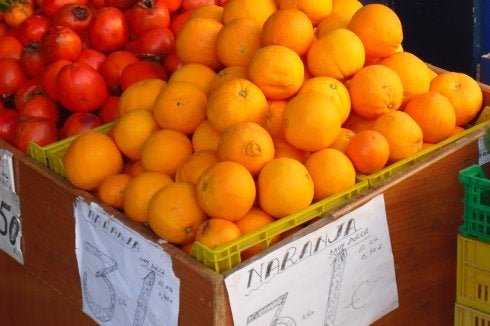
(278, 104)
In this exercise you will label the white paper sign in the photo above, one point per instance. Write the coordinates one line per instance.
(484, 148)
(10, 226)
(125, 278)
(341, 274)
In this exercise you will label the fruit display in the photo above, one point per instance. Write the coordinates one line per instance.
(228, 115)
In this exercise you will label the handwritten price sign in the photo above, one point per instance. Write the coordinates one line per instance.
(10, 227)
(125, 279)
(340, 274)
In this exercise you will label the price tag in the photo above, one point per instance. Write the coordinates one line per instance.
(484, 148)
(340, 274)
(10, 227)
(125, 278)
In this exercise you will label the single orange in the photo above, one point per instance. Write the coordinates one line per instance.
(331, 171)
(205, 137)
(277, 70)
(246, 143)
(284, 187)
(226, 74)
(402, 132)
(174, 213)
(139, 191)
(356, 123)
(140, 95)
(192, 168)
(284, 149)
(346, 7)
(180, 106)
(237, 100)
(195, 73)
(216, 232)
(165, 150)
(90, 158)
(311, 121)
(208, 10)
(435, 115)
(111, 189)
(331, 22)
(369, 151)
(258, 10)
(273, 122)
(340, 143)
(226, 190)
(316, 10)
(238, 41)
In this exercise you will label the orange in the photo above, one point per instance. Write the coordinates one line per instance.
(174, 213)
(311, 121)
(90, 158)
(205, 137)
(413, 72)
(316, 10)
(187, 247)
(246, 143)
(333, 89)
(277, 70)
(284, 187)
(331, 22)
(226, 190)
(463, 91)
(379, 28)
(284, 149)
(195, 73)
(140, 95)
(237, 42)
(165, 150)
(374, 90)
(435, 115)
(237, 100)
(255, 220)
(226, 74)
(134, 168)
(216, 232)
(331, 171)
(258, 10)
(340, 143)
(356, 123)
(402, 132)
(131, 130)
(139, 191)
(180, 106)
(273, 122)
(457, 130)
(195, 42)
(192, 168)
(338, 54)
(346, 7)
(208, 11)
(290, 28)
(111, 189)
(369, 151)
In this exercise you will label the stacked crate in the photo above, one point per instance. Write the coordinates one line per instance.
(473, 267)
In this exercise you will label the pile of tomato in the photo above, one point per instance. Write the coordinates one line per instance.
(64, 63)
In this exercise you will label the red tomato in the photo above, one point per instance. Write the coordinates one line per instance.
(8, 123)
(140, 70)
(147, 14)
(109, 30)
(3, 26)
(194, 4)
(11, 76)
(155, 43)
(28, 88)
(41, 131)
(81, 88)
(112, 67)
(119, 4)
(173, 5)
(78, 122)
(61, 42)
(50, 7)
(10, 47)
(109, 110)
(75, 16)
(40, 106)
(178, 21)
(48, 78)
(33, 28)
(33, 59)
(92, 57)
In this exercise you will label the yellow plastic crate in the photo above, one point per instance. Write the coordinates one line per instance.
(473, 274)
(52, 154)
(466, 316)
(225, 257)
(400, 166)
